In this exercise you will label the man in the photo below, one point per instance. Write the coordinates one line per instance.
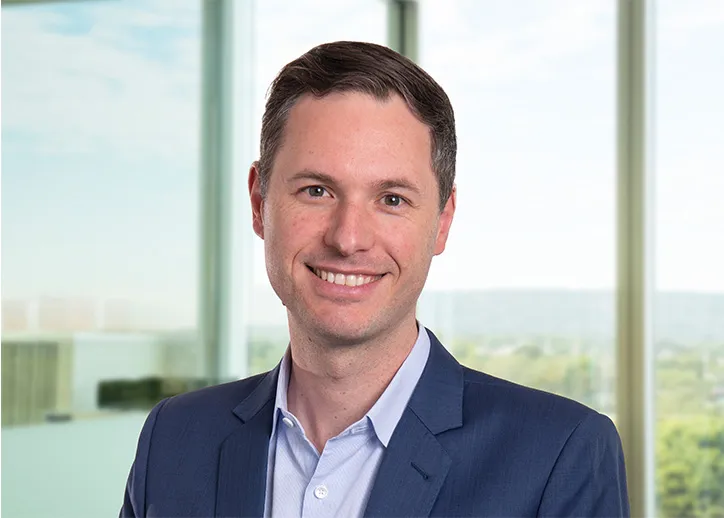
(367, 414)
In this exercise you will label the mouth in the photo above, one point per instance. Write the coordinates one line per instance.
(351, 279)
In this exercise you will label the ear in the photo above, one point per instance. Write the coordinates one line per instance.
(446, 219)
(257, 202)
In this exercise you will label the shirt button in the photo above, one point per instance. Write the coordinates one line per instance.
(288, 422)
(321, 492)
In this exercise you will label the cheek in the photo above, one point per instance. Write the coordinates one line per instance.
(411, 244)
(289, 231)
(408, 251)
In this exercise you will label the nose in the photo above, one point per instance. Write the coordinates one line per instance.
(351, 229)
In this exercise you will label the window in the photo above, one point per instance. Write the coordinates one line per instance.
(100, 136)
(688, 303)
(525, 289)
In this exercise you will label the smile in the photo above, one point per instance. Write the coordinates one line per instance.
(349, 279)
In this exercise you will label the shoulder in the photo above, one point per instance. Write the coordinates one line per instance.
(205, 412)
(494, 405)
(524, 408)
(566, 455)
(180, 441)
(533, 429)
(217, 398)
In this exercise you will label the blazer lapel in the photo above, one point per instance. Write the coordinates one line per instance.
(241, 486)
(415, 465)
(411, 474)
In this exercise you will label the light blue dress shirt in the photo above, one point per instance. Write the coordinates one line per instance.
(337, 483)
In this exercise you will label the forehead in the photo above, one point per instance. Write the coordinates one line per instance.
(355, 133)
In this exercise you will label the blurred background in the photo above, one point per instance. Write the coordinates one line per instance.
(130, 271)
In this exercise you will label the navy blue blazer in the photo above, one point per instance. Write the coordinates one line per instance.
(467, 444)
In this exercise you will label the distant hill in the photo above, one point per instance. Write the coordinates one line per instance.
(679, 317)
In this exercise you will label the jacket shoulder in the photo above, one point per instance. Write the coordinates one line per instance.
(216, 398)
(526, 452)
(177, 456)
(489, 395)
(208, 414)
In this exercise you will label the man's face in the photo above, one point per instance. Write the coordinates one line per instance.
(351, 219)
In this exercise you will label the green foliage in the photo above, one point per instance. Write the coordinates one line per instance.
(690, 467)
(685, 379)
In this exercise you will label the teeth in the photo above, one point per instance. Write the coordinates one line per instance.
(342, 279)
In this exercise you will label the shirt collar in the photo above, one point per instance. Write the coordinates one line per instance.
(280, 402)
(387, 410)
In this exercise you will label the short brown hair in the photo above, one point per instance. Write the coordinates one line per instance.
(372, 69)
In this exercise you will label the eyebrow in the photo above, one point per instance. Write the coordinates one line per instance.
(398, 183)
(308, 174)
(382, 185)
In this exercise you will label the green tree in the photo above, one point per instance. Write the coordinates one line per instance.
(690, 467)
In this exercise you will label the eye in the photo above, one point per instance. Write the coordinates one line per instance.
(315, 191)
(392, 200)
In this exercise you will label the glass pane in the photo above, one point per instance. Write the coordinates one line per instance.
(688, 312)
(100, 138)
(280, 38)
(525, 288)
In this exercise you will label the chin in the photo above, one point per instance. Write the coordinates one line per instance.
(345, 335)
(342, 331)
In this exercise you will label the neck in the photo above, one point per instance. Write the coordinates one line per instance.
(331, 387)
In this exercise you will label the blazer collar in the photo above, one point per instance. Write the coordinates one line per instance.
(260, 396)
(241, 484)
(438, 398)
(415, 465)
(413, 468)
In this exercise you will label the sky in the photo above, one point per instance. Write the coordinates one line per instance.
(101, 121)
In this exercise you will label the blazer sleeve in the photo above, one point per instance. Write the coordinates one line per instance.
(134, 500)
(589, 476)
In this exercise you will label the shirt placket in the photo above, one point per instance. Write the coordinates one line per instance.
(326, 490)
(321, 496)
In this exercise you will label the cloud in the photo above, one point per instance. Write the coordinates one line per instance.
(678, 21)
(92, 92)
(492, 47)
